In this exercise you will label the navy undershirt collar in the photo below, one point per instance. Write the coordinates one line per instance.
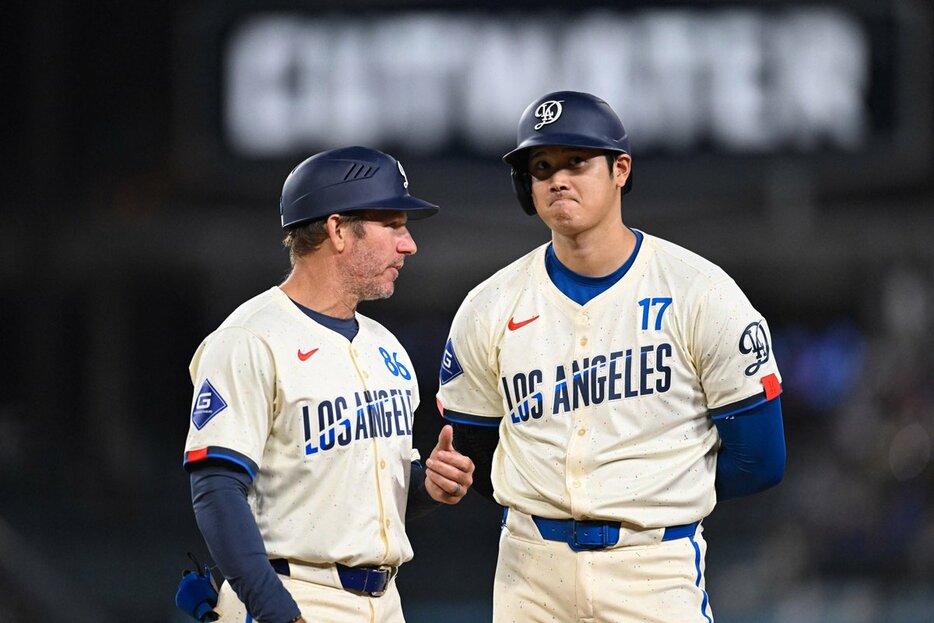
(581, 288)
(347, 327)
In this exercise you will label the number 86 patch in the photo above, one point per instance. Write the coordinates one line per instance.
(396, 367)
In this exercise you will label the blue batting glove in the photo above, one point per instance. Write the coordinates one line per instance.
(197, 596)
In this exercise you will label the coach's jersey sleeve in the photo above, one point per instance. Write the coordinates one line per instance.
(468, 385)
(233, 373)
(733, 353)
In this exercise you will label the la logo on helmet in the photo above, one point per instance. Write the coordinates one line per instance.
(548, 112)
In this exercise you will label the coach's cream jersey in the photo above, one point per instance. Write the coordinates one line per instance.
(323, 424)
(605, 410)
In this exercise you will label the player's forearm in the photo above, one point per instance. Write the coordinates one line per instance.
(228, 527)
(752, 452)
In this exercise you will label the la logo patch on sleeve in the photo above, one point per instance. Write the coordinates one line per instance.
(450, 367)
(208, 403)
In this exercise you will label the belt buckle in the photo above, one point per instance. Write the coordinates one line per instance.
(586, 530)
(390, 574)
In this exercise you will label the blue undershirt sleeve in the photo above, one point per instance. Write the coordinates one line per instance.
(219, 498)
(752, 451)
(479, 443)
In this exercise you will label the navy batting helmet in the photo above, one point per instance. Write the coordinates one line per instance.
(567, 118)
(347, 179)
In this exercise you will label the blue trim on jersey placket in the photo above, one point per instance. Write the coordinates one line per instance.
(473, 420)
(581, 288)
(697, 582)
(347, 327)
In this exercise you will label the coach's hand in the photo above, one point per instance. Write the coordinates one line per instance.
(449, 472)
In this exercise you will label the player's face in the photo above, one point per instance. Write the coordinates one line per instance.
(376, 257)
(574, 189)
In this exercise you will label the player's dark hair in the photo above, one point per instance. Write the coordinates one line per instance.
(303, 239)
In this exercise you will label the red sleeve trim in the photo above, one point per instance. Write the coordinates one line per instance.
(196, 455)
(772, 387)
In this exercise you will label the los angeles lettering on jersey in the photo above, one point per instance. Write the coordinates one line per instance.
(589, 381)
(342, 421)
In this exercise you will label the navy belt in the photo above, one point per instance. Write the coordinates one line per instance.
(590, 535)
(370, 580)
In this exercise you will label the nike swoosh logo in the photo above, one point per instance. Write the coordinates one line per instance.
(518, 325)
(304, 356)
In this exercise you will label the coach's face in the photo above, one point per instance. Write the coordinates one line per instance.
(574, 189)
(376, 257)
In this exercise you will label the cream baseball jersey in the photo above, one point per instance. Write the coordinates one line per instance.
(605, 410)
(322, 424)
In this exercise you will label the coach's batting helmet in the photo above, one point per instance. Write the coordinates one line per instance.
(567, 118)
(346, 179)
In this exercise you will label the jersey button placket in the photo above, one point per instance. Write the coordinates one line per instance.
(577, 443)
(582, 327)
(377, 460)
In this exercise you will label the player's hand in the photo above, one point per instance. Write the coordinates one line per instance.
(450, 473)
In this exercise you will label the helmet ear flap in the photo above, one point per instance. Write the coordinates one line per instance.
(522, 185)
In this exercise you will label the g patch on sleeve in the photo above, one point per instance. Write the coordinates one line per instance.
(450, 367)
(208, 403)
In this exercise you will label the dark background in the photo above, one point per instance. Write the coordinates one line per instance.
(129, 229)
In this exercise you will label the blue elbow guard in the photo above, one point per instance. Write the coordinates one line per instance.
(197, 595)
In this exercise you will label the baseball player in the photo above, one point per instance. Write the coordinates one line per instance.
(300, 443)
(610, 387)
